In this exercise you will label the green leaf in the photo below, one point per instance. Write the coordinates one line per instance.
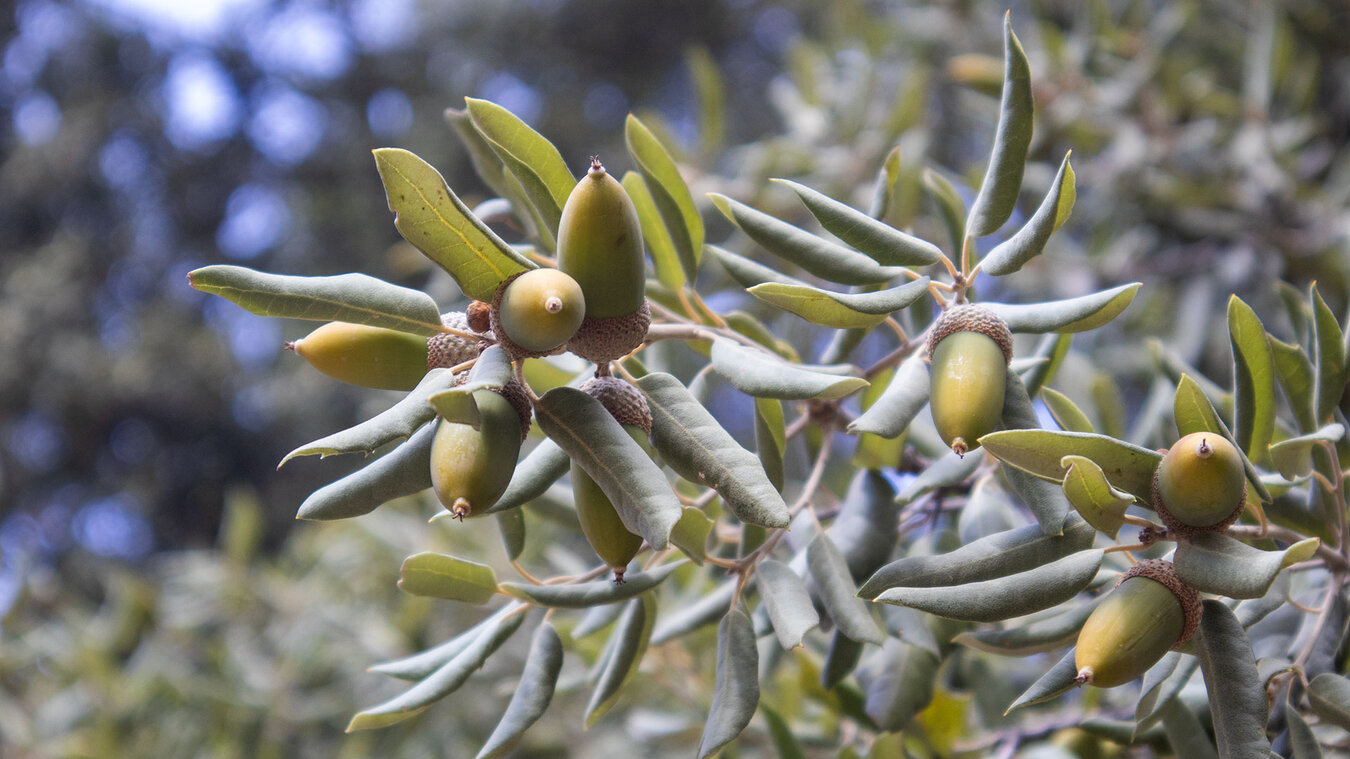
(401, 472)
(1161, 683)
(899, 403)
(1012, 254)
(1045, 501)
(736, 692)
(1081, 314)
(840, 310)
(430, 216)
(1295, 373)
(1329, 696)
(1301, 737)
(544, 465)
(784, 740)
(785, 597)
(1065, 411)
(885, 244)
(622, 655)
(770, 438)
(835, 587)
(900, 681)
(1003, 597)
(749, 273)
(948, 471)
(1293, 457)
(1253, 380)
(629, 478)
(511, 524)
(1034, 637)
(1060, 679)
(1093, 497)
(669, 192)
(1039, 452)
(1329, 358)
(690, 534)
(1003, 179)
(949, 204)
(532, 695)
(584, 595)
(691, 441)
(998, 555)
(840, 660)
(486, 164)
(1237, 696)
(1215, 563)
(1048, 357)
(711, 96)
(704, 611)
(528, 155)
(825, 259)
(669, 271)
(1195, 413)
(1185, 734)
(440, 576)
(761, 375)
(867, 527)
(421, 664)
(354, 298)
(395, 423)
(440, 683)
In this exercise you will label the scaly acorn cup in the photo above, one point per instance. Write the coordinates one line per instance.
(470, 468)
(1148, 613)
(600, 522)
(449, 350)
(367, 356)
(969, 349)
(535, 312)
(600, 245)
(1200, 485)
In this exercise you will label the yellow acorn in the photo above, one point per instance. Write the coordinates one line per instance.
(600, 245)
(600, 522)
(535, 312)
(367, 356)
(470, 468)
(969, 349)
(1200, 485)
(1150, 612)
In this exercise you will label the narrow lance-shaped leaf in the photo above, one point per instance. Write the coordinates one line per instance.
(532, 694)
(949, 204)
(440, 576)
(830, 572)
(1185, 734)
(1058, 680)
(711, 94)
(401, 472)
(770, 438)
(1081, 314)
(867, 527)
(825, 259)
(1012, 254)
(899, 683)
(1329, 358)
(1216, 563)
(1045, 501)
(1093, 497)
(1003, 597)
(355, 298)
(948, 471)
(749, 273)
(534, 161)
(1329, 695)
(544, 465)
(900, 402)
(421, 664)
(884, 243)
(1253, 380)
(627, 645)
(1065, 411)
(1293, 457)
(736, 692)
(764, 376)
(669, 192)
(665, 257)
(1039, 452)
(789, 605)
(690, 534)
(1003, 178)
(1301, 737)
(1295, 372)
(1037, 636)
(1195, 413)
(511, 524)
(840, 310)
(691, 441)
(486, 164)
(431, 217)
(440, 683)
(632, 482)
(1237, 696)
(587, 594)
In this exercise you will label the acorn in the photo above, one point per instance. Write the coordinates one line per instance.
(470, 468)
(969, 349)
(535, 312)
(600, 245)
(448, 350)
(363, 355)
(1148, 613)
(1200, 484)
(600, 522)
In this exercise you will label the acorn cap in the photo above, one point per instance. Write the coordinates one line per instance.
(624, 402)
(519, 400)
(971, 317)
(601, 340)
(1180, 528)
(446, 350)
(1163, 572)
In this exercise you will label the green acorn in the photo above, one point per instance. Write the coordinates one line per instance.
(1148, 613)
(367, 356)
(535, 312)
(1200, 485)
(470, 468)
(600, 245)
(969, 349)
(600, 522)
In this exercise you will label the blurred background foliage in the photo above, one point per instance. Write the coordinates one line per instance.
(155, 595)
